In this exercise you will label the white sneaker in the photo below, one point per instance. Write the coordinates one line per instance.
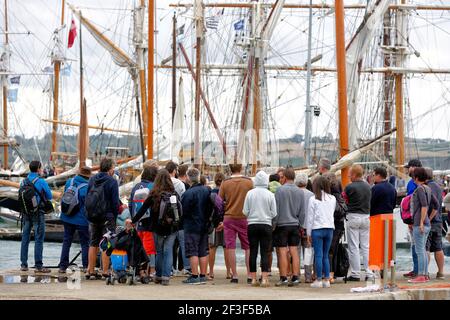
(317, 284)
(326, 284)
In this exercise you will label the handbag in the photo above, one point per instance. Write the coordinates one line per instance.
(308, 256)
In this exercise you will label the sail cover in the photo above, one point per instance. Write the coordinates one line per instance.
(355, 51)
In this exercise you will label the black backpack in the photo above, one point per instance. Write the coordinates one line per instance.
(96, 205)
(169, 218)
(28, 201)
(340, 213)
(342, 261)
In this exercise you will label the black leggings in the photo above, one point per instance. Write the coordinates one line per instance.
(259, 235)
(337, 235)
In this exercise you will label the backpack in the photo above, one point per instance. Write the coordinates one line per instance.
(405, 210)
(96, 205)
(169, 215)
(340, 213)
(140, 195)
(70, 203)
(28, 200)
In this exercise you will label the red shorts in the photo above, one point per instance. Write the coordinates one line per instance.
(147, 241)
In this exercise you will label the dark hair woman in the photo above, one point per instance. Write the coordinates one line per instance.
(319, 228)
(339, 217)
(164, 236)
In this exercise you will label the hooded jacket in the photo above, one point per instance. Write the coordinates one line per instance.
(111, 193)
(259, 204)
(80, 217)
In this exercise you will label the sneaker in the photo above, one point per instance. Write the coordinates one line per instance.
(42, 270)
(24, 269)
(234, 280)
(326, 284)
(410, 274)
(282, 283)
(165, 282)
(418, 279)
(351, 278)
(317, 284)
(186, 272)
(63, 271)
(265, 283)
(191, 280)
(157, 280)
(255, 283)
(249, 280)
(294, 283)
(203, 280)
(440, 276)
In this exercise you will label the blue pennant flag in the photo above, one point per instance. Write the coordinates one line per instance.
(12, 95)
(239, 25)
(48, 69)
(14, 80)
(66, 70)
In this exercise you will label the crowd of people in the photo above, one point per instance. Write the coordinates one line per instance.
(284, 211)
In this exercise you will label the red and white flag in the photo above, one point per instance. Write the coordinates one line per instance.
(72, 33)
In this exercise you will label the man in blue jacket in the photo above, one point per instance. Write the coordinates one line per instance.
(77, 221)
(98, 229)
(197, 208)
(37, 221)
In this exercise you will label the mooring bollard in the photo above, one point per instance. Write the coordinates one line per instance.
(386, 252)
(394, 253)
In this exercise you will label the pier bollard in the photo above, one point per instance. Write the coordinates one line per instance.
(386, 252)
(394, 254)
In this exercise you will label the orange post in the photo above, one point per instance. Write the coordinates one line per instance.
(342, 86)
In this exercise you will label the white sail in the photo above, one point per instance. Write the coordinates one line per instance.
(355, 52)
(178, 124)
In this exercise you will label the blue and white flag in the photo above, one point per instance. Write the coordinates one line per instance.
(66, 70)
(12, 95)
(48, 69)
(14, 80)
(239, 25)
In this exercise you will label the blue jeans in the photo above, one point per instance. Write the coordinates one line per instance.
(414, 254)
(83, 234)
(38, 223)
(180, 237)
(164, 255)
(321, 241)
(420, 240)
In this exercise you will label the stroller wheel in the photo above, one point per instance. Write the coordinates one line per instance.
(122, 280)
(130, 281)
(108, 281)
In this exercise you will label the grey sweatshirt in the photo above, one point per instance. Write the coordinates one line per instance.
(290, 207)
(259, 204)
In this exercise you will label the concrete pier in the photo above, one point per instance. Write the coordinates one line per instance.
(48, 286)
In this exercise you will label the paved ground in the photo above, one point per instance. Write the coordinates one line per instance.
(49, 288)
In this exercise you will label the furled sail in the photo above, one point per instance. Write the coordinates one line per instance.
(177, 127)
(355, 51)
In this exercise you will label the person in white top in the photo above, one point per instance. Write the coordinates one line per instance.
(319, 228)
(260, 208)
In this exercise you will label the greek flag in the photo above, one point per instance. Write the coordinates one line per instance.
(12, 95)
(239, 25)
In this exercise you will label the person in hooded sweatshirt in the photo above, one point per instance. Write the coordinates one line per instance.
(260, 208)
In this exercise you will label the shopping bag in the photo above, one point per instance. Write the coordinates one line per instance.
(308, 256)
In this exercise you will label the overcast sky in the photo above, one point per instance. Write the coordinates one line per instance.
(108, 88)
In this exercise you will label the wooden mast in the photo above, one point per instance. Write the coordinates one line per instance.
(342, 86)
(400, 135)
(83, 132)
(151, 66)
(140, 52)
(199, 34)
(57, 69)
(5, 93)
(174, 66)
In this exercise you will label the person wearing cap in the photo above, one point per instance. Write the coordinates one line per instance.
(412, 164)
(324, 166)
(76, 222)
(410, 188)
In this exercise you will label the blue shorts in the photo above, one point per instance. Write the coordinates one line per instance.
(196, 245)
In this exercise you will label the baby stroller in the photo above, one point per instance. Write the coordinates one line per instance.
(127, 254)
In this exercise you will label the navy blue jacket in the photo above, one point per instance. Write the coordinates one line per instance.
(111, 193)
(384, 198)
(197, 207)
(80, 217)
